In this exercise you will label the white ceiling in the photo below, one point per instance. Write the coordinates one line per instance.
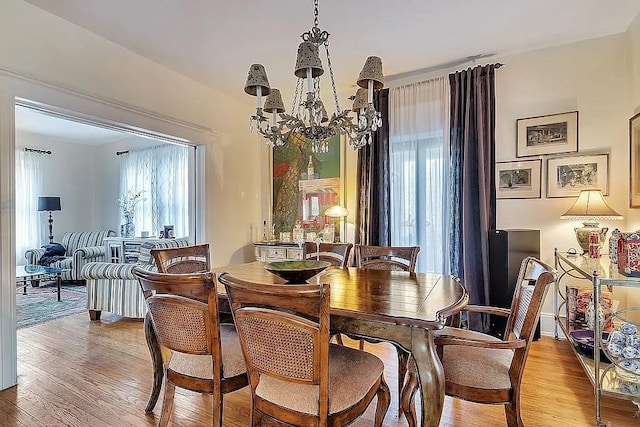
(51, 127)
(214, 41)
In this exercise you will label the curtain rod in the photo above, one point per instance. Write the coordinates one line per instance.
(119, 153)
(37, 151)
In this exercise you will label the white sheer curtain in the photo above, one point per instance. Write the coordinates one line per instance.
(28, 189)
(419, 168)
(163, 174)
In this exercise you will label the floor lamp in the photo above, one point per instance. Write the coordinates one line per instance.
(49, 204)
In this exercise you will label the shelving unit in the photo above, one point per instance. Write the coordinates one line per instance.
(600, 272)
(125, 250)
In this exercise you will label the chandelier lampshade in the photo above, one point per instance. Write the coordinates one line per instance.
(309, 117)
(273, 103)
(257, 79)
(372, 71)
(360, 100)
(308, 59)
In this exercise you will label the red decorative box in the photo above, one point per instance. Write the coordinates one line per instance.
(629, 254)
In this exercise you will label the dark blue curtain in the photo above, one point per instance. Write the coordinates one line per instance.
(373, 219)
(473, 198)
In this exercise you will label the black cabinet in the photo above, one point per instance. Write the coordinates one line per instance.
(507, 249)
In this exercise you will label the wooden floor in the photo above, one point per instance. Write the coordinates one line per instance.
(73, 372)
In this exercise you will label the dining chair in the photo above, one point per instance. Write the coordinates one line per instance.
(187, 259)
(399, 258)
(296, 376)
(481, 368)
(335, 253)
(394, 258)
(205, 356)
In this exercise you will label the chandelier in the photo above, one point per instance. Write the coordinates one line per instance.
(308, 116)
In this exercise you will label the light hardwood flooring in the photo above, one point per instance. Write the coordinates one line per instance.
(74, 372)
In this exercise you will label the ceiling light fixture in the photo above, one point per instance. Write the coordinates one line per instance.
(309, 117)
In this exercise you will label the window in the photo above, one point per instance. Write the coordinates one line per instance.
(419, 170)
(162, 173)
(28, 188)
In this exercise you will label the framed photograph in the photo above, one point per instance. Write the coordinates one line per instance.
(551, 134)
(305, 184)
(634, 155)
(567, 176)
(518, 180)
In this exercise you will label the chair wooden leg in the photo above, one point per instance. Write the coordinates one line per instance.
(408, 394)
(403, 358)
(216, 420)
(167, 403)
(339, 339)
(156, 360)
(361, 345)
(512, 412)
(94, 314)
(256, 418)
(384, 400)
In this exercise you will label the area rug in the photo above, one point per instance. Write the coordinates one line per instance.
(41, 304)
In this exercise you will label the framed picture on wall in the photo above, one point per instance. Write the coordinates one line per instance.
(551, 134)
(518, 180)
(634, 155)
(567, 176)
(305, 184)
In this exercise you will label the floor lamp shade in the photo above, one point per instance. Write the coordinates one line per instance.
(49, 204)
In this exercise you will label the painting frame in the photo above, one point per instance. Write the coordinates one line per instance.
(634, 161)
(323, 182)
(519, 179)
(568, 175)
(549, 134)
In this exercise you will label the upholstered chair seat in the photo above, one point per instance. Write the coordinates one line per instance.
(351, 374)
(476, 367)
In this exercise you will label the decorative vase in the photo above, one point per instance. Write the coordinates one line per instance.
(128, 229)
(582, 234)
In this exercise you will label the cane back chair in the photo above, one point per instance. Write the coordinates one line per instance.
(485, 369)
(394, 258)
(296, 375)
(205, 356)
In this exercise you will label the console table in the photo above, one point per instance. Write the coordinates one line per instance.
(277, 251)
(606, 378)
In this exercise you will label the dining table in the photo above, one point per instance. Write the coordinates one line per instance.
(400, 307)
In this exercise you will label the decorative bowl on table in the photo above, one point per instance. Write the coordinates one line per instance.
(296, 271)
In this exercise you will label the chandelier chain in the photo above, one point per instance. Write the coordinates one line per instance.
(333, 81)
(315, 13)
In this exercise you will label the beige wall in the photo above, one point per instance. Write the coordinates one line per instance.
(634, 54)
(37, 44)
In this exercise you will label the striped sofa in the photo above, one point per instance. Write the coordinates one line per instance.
(112, 287)
(81, 247)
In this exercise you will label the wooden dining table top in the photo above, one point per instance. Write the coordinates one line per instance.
(399, 297)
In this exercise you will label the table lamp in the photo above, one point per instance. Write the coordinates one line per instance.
(336, 212)
(49, 204)
(589, 208)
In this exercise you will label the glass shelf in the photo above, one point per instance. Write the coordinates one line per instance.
(600, 272)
